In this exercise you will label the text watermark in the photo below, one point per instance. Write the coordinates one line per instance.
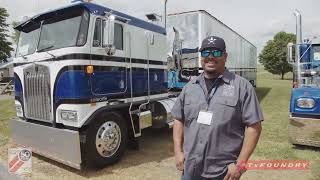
(275, 165)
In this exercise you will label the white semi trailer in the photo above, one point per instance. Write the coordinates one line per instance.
(186, 31)
(88, 79)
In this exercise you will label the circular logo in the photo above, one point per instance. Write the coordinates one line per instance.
(25, 155)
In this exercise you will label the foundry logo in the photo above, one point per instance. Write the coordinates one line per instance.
(275, 165)
(20, 161)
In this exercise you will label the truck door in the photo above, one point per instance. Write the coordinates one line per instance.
(109, 77)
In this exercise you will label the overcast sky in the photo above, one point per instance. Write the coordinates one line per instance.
(256, 20)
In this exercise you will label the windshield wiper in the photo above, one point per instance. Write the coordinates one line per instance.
(44, 49)
(47, 48)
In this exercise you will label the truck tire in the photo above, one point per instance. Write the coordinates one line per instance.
(106, 139)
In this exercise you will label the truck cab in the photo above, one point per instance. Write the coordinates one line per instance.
(88, 79)
(304, 121)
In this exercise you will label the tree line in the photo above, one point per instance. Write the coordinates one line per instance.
(5, 45)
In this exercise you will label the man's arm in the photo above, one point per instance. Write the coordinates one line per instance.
(251, 117)
(178, 143)
(251, 137)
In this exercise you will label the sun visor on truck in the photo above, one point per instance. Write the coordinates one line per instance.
(36, 20)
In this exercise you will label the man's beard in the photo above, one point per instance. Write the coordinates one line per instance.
(212, 73)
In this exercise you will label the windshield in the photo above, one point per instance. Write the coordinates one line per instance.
(28, 40)
(316, 53)
(63, 30)
(60, 34)
(310, 66)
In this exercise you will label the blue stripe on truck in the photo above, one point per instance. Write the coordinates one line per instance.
(74, 84)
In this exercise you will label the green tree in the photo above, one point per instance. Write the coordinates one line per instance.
(274, 54)
(5, 45)
(15, 34)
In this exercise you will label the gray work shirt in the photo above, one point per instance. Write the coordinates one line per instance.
(209, 149)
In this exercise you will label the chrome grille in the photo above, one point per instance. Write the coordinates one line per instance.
(37, 93)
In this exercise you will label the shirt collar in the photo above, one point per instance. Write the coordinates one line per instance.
(226, 77)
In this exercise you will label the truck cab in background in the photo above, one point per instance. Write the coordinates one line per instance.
(304, 121)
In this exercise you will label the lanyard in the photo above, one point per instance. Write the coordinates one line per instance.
(212, 92)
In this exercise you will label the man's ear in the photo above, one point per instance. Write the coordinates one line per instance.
(225, 54)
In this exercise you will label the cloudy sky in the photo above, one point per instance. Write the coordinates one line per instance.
(256, 20)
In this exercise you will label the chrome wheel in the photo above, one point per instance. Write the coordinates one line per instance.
(108, 139)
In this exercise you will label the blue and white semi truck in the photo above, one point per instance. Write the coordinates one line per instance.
(304, 123)
(88, 79)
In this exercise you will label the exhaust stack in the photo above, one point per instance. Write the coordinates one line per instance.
(298, 43)
(164, 16)
(298, 26)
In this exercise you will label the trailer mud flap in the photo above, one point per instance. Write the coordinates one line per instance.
(61, 145)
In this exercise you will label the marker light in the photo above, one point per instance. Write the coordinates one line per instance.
(89, 69)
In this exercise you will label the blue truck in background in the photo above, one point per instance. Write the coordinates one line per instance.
(304, 123)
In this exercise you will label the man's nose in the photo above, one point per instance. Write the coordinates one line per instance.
(211, 57)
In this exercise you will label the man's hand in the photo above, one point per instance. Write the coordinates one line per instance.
(233, 173)
(178, 141)
(179, 160)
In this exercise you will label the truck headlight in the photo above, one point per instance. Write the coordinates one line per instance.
(68, 115)
(305, 103)
(19, 110)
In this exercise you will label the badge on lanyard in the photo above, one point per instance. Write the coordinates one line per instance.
(204, 117)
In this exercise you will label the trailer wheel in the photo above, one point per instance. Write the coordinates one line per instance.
(106, 140)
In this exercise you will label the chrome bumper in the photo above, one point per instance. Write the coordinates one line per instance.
(304, 131)
(61, 145)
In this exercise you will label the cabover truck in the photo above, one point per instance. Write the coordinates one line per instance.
(304, 121)
(88, 79)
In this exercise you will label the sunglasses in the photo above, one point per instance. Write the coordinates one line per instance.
(214, 53)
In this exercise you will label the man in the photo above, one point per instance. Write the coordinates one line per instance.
(217, 119)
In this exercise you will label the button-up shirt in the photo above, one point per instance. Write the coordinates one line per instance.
(233, 103)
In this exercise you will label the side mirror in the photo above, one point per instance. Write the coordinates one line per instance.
(108, 35)
(290, 53)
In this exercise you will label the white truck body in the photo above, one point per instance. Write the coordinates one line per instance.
(88, 79)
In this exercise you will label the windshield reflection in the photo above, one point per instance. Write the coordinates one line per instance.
(67, 29)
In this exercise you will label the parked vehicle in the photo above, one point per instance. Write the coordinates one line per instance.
(185, 33)
(88, 79)
(304, 122)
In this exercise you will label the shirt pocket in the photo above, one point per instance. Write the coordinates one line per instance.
(225, 108)
(226, 101)
(191, 110)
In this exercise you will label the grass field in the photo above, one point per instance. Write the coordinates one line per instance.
(7, 111)
(274, 96)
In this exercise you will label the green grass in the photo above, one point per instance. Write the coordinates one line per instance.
(274, 96)
(7, 111)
